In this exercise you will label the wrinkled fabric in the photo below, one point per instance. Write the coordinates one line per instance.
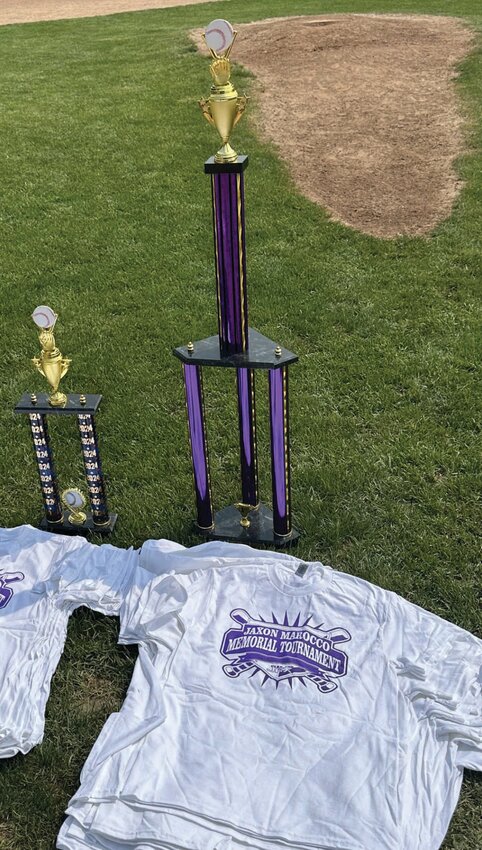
(273, 707)
(43, 577)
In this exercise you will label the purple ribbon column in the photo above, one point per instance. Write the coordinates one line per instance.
(46, 470)
(280, 451)
(230, 256)
(247, 436)
(93, 469)
(199, 451)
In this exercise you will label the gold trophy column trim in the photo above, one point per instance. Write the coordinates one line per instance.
(286, 447)
(255, 438)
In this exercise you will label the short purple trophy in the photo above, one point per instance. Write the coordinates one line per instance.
(236, 345)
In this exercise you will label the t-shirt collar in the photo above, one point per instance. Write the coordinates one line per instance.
(294, 579)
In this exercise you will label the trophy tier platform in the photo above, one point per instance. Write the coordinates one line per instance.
(72, 405)
(262, 353)
(260, 531)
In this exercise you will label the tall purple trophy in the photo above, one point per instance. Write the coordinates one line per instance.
(236, 345)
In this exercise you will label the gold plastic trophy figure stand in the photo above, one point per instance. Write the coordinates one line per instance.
(51, 364)
(74, 501)
(245, 510)
(224, 107)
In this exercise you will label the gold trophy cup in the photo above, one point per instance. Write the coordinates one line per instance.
(224, 107)
(51, 364)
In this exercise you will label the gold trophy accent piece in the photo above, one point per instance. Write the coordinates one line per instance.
(244, 510)
(74, 501)
(51, 364)
(224, 107)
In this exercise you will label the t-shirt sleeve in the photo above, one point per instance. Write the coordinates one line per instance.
(163, 556)
(157, 555)
(95, 576)
(40, 552)
(439, 666)
(152, 611)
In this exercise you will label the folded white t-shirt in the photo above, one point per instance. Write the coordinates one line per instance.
(43, 577)
(281, 701)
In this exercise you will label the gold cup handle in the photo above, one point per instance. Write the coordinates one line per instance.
(65, 366)
(240, 107)
(206, 111)
(38, 365)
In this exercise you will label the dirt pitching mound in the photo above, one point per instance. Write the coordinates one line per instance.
(24, 11)
(364, 110)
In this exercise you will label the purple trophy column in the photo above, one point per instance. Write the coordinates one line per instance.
(230, 255)
(280, 454)
(46, 470)
(93, 469)
(199, 449)
(247, 436)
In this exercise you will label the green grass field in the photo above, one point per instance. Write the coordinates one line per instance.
(105, 215)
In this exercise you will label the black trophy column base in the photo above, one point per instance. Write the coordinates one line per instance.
(87, 527)
(227, 526)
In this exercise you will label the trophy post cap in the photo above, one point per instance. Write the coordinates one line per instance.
(219, 36)
(44, 317)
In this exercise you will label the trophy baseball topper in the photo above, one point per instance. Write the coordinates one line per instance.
(51, 364)
(54, 366)
(224, 107)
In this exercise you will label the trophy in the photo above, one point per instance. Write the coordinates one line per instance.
(236, 345)
(53, 366)
(224, 107)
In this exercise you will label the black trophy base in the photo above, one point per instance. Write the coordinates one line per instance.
(87, 527)
(227, 526)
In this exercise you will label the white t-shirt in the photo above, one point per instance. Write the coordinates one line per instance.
(43, 577)
(269, 709)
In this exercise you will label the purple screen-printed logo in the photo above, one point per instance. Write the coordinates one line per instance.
(6, 592)
(285, 652)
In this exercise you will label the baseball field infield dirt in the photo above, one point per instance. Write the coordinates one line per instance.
(364, 109)
(24, 11)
